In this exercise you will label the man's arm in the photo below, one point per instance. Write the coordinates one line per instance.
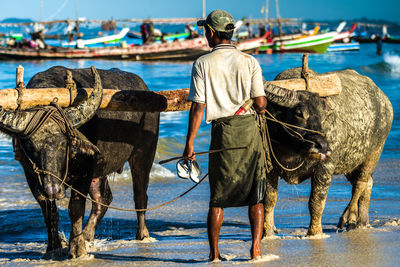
(260, 103)
(195, 118)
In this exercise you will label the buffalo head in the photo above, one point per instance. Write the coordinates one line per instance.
(48, 148)
(304, 110)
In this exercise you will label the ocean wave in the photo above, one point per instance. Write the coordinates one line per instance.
(157, 173)
(393, 61)
(390, 65)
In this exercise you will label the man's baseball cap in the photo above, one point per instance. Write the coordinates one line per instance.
(219, 20)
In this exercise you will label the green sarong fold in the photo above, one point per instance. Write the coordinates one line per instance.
(237, 177)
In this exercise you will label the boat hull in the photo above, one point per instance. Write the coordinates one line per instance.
(338, 47)
(174, 51)
(312, 44)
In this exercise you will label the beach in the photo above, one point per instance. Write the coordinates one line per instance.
(178, 231)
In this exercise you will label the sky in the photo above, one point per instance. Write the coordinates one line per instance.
(127, 9)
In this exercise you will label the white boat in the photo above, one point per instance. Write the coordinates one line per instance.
(99, 40)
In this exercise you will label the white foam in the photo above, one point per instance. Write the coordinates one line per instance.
(263, 258)
(157, 172)
(171, 117)
(105, 244)
(393, 60)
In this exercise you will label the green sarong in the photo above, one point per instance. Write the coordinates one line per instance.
(237, 177)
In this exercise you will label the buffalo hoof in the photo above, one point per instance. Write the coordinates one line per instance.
(56, 254)
(269, 233)
(341, 224)
(314, 232)
(77, 247)
(351, 226)
(140, 235)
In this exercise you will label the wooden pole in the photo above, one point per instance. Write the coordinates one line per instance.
(19, 83)
(141, 101)
(304, 71)
(147, 101)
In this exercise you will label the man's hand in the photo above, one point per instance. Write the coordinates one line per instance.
(195, 118)
(188, 153)
(260, 103)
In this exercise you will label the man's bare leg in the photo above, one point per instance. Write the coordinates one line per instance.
(256, 216)
(214, 223)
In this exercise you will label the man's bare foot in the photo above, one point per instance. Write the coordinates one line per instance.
(255, 253)
(218, 259)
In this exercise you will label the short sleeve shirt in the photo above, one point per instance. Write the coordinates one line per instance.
(223, 80)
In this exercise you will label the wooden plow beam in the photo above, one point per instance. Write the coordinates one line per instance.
(131, 100)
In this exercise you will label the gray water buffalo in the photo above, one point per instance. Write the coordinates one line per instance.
(110, 137)
(355, 124)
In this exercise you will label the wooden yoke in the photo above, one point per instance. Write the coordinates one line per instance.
(132, 100)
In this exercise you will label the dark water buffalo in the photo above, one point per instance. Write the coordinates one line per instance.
(356, 123)
(119, 137)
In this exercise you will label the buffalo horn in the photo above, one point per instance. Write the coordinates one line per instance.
(280, 96)
(80, 114)
(14, 122)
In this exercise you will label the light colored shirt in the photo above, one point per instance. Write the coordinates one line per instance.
(223, 80)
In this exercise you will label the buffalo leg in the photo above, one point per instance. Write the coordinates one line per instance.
(49, 211)
(356, 212)
(99, 191)
(271, 196)
(363, 205)
(51, 219)
(76, 211)
(140, 178)
(316, 204)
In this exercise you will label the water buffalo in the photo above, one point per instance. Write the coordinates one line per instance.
(119, 137)
(356, 124)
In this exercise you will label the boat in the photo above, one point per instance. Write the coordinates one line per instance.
(114, 38)
(364, 37)
(252, 45)
(342, 41)
(182, 50)
(318, 43)
(16, 36)
(339, 47)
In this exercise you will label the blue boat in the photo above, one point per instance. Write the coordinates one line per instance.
(336, 47)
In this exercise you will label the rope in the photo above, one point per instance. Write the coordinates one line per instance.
(38, 171)
(54, 112)
(272, 118)
(266, 139)
(261, 121)
(20, 91)
(202, 153)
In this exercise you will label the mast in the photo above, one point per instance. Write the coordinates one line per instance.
(204, 9)
(77, 19)
(266, 11)
(41, 9)
(279, 18)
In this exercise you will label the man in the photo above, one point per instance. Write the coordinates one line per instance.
(222, 81)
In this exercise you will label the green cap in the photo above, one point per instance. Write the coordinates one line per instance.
(219, 20)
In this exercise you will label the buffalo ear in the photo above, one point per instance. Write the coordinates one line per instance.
(81, 145)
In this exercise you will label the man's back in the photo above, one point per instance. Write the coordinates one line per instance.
(224, 80)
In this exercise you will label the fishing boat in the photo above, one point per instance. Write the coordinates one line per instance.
(16, 36)
(318, 43)
(339, 47)
(114, 38)
(252, 45)
(342, 41)
(183, 50)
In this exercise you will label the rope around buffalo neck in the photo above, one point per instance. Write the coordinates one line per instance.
(266, 140)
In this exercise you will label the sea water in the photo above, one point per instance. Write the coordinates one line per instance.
(178, 231)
